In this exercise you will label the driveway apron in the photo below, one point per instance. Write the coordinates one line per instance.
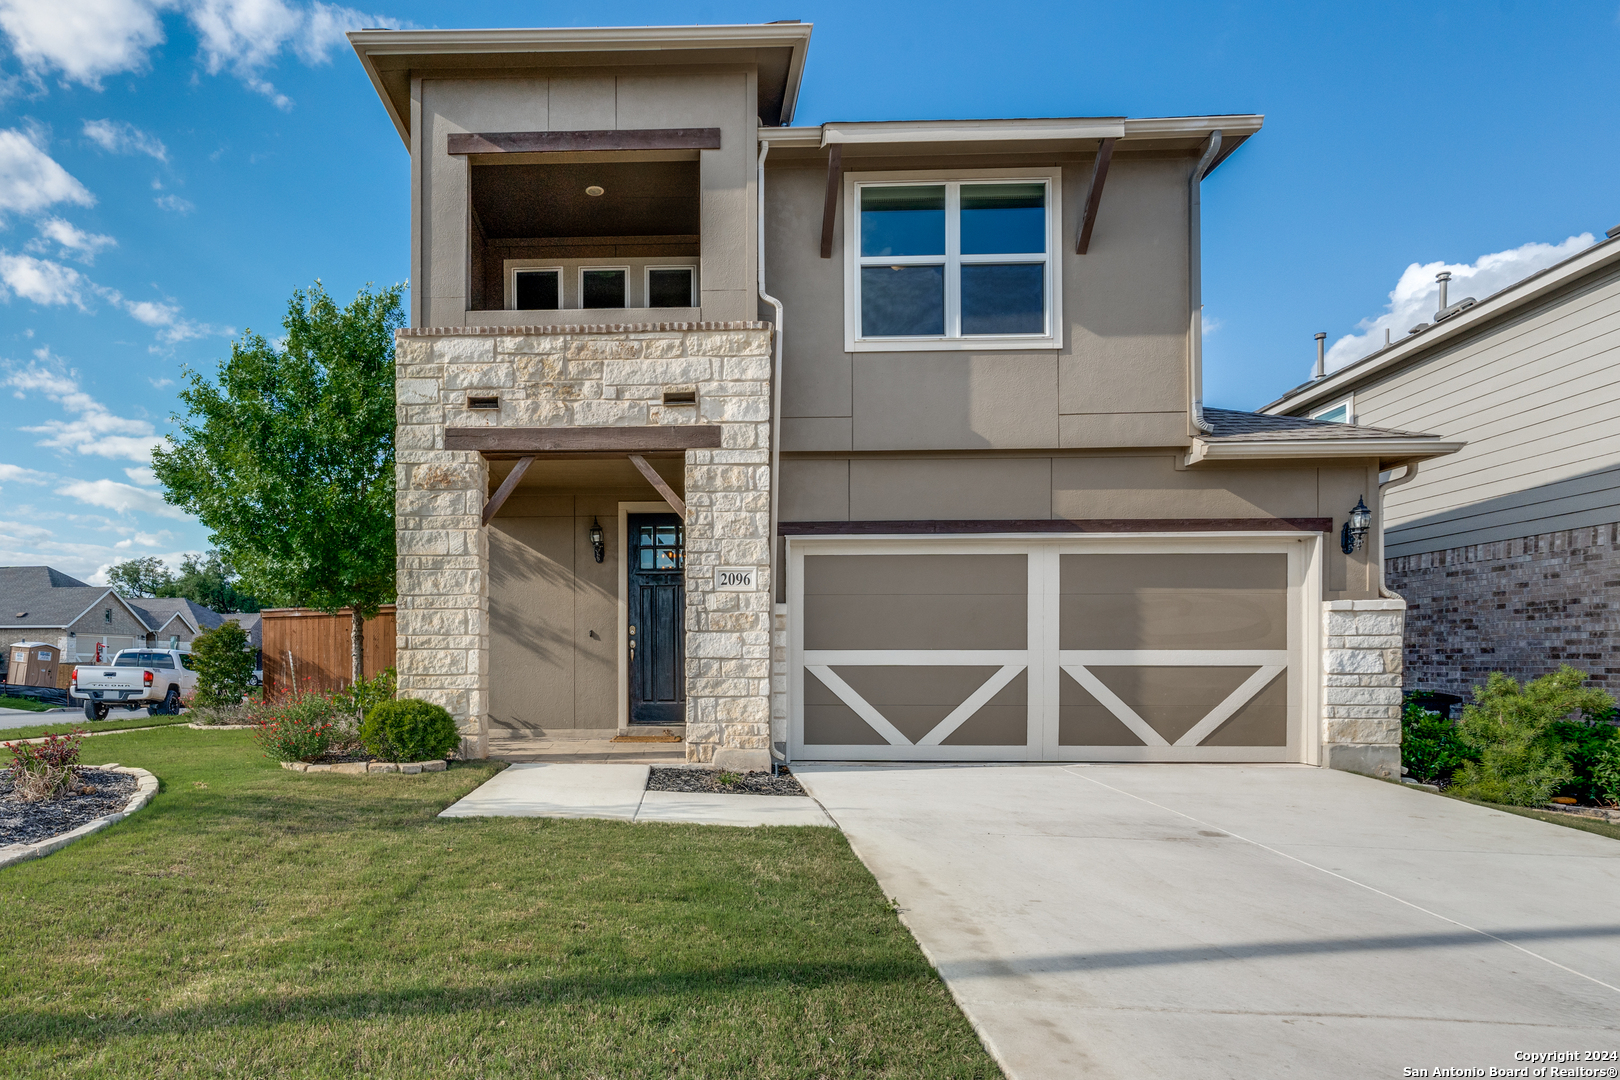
(1241, 921)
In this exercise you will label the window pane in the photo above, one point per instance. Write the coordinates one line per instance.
(1003, 219)
(536, 290)
(903, 220)
(603, 288)
(1004, 299)
(902, 301)
(669, 288)
(1339, 414)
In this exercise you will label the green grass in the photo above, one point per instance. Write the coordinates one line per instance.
(77, 722)
(25, 704)
(1569, 821)
(259, 922)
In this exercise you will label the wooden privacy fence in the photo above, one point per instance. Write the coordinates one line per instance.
(310, 649)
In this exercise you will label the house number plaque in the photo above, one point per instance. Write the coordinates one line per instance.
(734, 578)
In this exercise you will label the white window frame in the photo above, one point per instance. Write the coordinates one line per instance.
(1348, 404)
(579, 282)
(646, 283)
(1052, 338)
(511, 285)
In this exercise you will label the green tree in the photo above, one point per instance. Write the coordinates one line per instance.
(139, 577)
(1522, 759)
(224, 664)
(211, 582)
(289, 457)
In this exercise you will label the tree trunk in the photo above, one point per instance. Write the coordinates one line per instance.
(357, 647)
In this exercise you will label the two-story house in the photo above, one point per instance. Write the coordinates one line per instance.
(876, 440)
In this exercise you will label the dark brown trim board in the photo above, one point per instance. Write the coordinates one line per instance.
(829, 206)
(659, 485)
(508, 485)
(1055, 525)
(554, 142)
(521, 442)
(1099, 176)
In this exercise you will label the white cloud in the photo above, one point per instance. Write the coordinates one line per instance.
(85, 40)
(142, 475)
(158, 384)
(144, 539)
(73, 241)
(30, 179)
(16, 474)
(1210, 323)
(93, 429)
(1416, 295)
(175, 203)
(124, 498)
(119, 137)
(42, 281)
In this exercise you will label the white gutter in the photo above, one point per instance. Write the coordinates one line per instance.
(1383, 588)
(1393, 451)
(776, 389)
(1195, 284)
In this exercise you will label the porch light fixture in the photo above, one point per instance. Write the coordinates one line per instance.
(596, 539)
(594, 190)
(1354, 533)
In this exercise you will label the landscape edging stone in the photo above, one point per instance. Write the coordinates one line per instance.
(146, 786)
(362, 768)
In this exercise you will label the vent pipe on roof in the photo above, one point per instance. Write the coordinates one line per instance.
(1448, 310)
(1442, 277)
(1321, 356)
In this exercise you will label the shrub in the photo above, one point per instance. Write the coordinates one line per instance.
(406, 729)
(43, 770)
(1522, 760)
(1584, 745)
(1606, 773)
(362, 696)
(300, 726)
(1431, 748)
(224, 665)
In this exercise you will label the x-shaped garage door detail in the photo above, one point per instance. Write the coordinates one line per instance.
(1008, 665)
(1268, 665)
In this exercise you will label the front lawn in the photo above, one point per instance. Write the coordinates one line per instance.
(259, 922)
(76, 722)
(25, 704)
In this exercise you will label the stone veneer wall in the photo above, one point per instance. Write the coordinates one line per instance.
(1522, 606)
(587, 376)
(1361, 692)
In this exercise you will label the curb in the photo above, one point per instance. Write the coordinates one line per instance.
(360, 768)
(217, 727)
(146, 786)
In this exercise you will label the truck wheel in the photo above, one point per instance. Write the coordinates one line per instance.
(171, 702)
(94, 710)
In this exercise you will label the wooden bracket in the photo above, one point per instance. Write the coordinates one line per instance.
(1099, 175)
(657, 481)
(829, 207)
(506, 488)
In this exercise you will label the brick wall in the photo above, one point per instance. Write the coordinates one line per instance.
(1522, 606)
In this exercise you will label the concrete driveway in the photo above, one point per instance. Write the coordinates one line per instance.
(1241, 921)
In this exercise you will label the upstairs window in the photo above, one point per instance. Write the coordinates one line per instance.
(953, 264)
(1339, 413)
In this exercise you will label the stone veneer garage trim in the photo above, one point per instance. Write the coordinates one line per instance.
(610, 375)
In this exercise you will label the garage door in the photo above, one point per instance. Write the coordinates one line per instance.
(1095, 649)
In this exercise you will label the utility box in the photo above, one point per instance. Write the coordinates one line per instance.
(33, 663)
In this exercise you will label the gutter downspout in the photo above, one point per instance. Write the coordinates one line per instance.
(1195, 284)
(1383, 589)
(776, 392)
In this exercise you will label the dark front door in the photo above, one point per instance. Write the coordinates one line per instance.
(657, 619)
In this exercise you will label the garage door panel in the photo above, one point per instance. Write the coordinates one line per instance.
(1085, 721)
(947, 574)
(883, 621)
(915, 699)
(1262, 721)
(829, 721)
(1198, 601)
(1172, 699)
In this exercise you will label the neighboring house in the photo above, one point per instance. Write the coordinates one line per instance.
(1508, 552)
(874, 440)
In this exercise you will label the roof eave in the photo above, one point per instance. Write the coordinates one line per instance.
(1234, 128)
(1389, 452)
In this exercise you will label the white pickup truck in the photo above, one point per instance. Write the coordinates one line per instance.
(153, 679)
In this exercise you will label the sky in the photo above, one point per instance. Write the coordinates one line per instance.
(171, 170)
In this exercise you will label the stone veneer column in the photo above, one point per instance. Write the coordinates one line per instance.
(1361, 693)
(588, 376)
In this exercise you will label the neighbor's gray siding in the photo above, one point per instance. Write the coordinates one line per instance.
(1537, 399)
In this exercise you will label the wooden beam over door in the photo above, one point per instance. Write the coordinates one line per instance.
(829, 206)
(511, 442)
(556, 142)
(1099, 176)
(507, 486)
(658, 482)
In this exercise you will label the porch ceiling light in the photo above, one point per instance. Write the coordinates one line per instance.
(1356, 526)
(594, 190)
(596, 539)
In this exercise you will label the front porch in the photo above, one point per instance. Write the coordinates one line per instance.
(583, 517)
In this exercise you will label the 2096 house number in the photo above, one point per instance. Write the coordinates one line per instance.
(734, 578)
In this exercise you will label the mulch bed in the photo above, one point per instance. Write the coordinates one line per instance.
(28, 823)
(709, 781)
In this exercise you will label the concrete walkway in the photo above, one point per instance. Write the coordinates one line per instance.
(1240, 921)
(619, 792)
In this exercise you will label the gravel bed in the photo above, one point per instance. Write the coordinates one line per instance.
(708, 781)
(28, 823)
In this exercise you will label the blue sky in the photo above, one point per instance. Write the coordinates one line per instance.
(170, 170)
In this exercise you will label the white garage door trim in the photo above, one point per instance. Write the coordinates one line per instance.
(1044, 661)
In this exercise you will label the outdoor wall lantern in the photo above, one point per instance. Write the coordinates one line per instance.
(596, 539)
(1356, 527)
